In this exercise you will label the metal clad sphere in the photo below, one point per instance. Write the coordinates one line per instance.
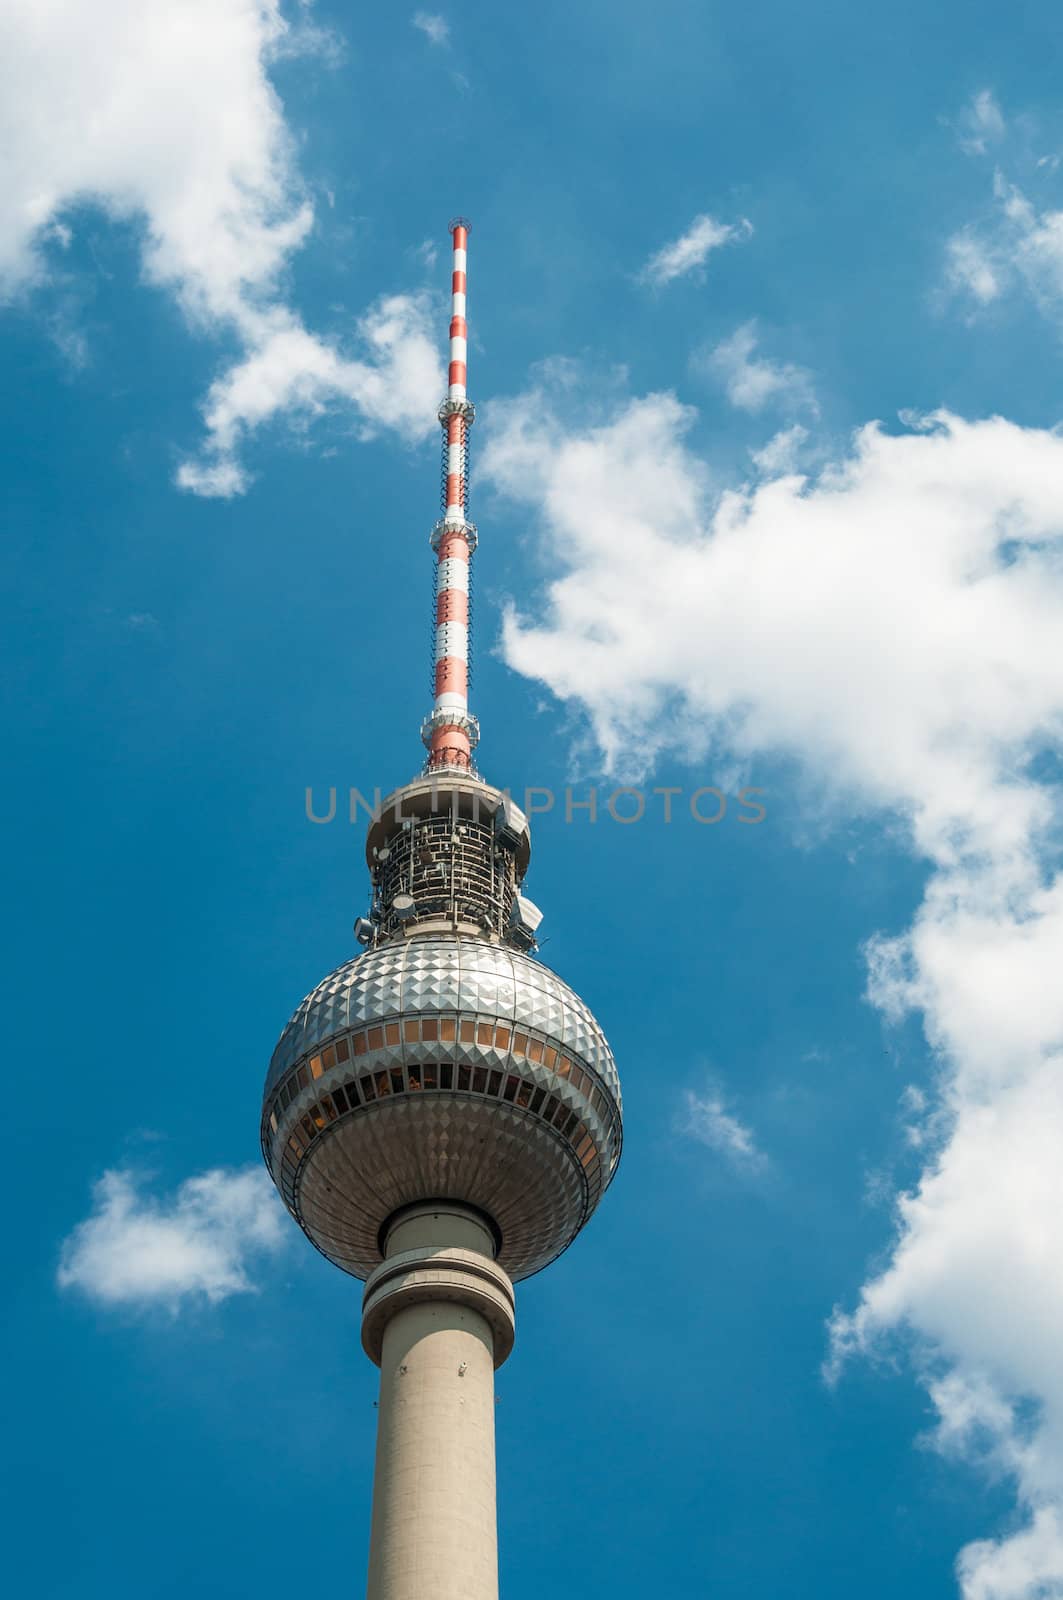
(442, 1067)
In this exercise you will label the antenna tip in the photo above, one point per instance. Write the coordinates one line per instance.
(459, 222)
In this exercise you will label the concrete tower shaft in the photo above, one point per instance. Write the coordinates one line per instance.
(438, 1319)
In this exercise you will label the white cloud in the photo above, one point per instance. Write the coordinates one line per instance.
(163, 114)
(135, 1250)
(435, 28)
(306, 38)
(970, 268)
(290, 371)
(751, 381)
(782, 453)
(1026, 1566)
(705, 1118)
(906, 543)
(1017, 249)
(892, 623)
(160, 111)
(918, 1121)
(692, 249)
(981, 123)
(1036, 246)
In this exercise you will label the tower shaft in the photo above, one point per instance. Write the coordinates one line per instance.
(438, 1318)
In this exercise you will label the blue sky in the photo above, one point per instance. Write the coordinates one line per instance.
(810, 1340)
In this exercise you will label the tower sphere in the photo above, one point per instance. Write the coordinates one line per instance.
(443, 1063)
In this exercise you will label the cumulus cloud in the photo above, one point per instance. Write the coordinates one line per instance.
(692, 249)
(136, 1250)
(163, 114)
(1027, 1566)
(753, 382)
(162, 111)
(705, 1118)
(892, 623)
(435, 28)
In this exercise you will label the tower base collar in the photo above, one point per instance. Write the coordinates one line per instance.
(434, 1271)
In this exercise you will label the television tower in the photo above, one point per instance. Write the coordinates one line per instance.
(442, 1114)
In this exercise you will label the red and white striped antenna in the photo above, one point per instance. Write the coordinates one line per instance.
(450, 733)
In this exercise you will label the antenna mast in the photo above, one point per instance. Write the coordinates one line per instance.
(450, 733)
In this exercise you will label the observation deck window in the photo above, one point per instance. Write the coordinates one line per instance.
(512, 1082)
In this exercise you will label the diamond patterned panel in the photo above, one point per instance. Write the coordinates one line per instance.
(444, 974)
(481, 1151)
